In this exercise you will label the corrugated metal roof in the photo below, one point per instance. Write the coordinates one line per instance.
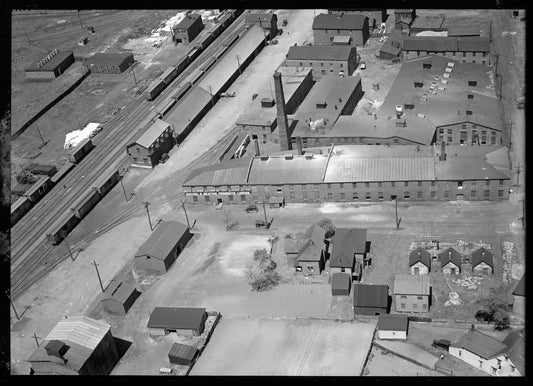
(370, 295)
(411, 284)
(482, 255)
(188, 21)
(162, 240)
(278, 170)
(392, 322)
(448, 255)
(109, 58)
(421, 255)
(183, 351)
(474, 43)
(341, 281)
(320, 52)
(467, 169)
(520, 288)
(481, 344)
(344, 169)
(82, 330)
(176, 318)
(341, 22)
(230, 172)
(55, 61)
(346, 243)
(149, 137)
(464, 30)
(120, 291)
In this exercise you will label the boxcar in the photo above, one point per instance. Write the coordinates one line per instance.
(76, 154)
(230, 40)
(181, 91)
(19, 209)
(154, 89)
(208, 64)
(194, 52)
(45, 170)
(195, 76)
(39, 189)
(85, 203)
(169, 75)
(62, 227)
(62, 172)
(106, 182)
(182, 64)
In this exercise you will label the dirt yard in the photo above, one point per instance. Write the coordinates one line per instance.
(286, 347)
(389, 365)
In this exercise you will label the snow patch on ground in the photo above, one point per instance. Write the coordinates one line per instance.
(367, 218)
(330, 207)
(517, 271)
(239, 253)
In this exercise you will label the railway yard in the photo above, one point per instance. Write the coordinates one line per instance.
(83, 228)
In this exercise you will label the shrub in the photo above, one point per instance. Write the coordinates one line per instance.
(328, 226)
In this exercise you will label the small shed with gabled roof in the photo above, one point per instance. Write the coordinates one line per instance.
(182, 320)
(450, 261)
(340, 284)
(419, 262)
(182, 354)
(119, 297)
(393, 326)
(482, 262)
(370, 299)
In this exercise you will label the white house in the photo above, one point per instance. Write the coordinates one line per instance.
(392, 326)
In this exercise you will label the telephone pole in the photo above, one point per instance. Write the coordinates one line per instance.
(133, 72)
(146, 203)
(185, 211)
(398, 221)
(238, 64)
(98, 273)
(510, 134)
(211, 94)
(13, 306)
(40, 135)
(36, 341)
(264, 210)
(517, 174)
(68, 246)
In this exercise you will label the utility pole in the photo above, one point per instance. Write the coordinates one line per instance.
(36, 341)
(264, 210)
(124, 190)
(81, 24)
(238, 64)
(12, 305)
(210, 93)
(98, 273)
(517, 174)
(146, 203)
(496, 65)
(187, 217)
(395, 198)
(133, 72)
(40, 135)
(68, 246)
(500, 77)
(510, 134)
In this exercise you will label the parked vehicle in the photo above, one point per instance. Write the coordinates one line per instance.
(274, 42)
(164, 158)
(284, 22)
(262, 224)
(251, 208)
(363, 65)
(441, 343)
(227, 94)
(254, 96)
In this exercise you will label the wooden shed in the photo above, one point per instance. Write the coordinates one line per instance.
(181, 354)
(119, 297)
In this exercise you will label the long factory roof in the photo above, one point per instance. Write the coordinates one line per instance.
(335, 21)
(352, 163)
(340, 52)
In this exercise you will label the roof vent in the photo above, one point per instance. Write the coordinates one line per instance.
(264, 157)
(56, 348)
(321, 105)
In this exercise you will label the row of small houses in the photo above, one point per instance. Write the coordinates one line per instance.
(480, 263)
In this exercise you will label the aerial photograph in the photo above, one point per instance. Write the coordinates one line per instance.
(267, 192)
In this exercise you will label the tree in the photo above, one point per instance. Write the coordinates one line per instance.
(328, 226)
(495, 309)
(262, 274)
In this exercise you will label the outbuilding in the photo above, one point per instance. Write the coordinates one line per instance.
(148, 148)
(311, 259)
(340, 283)
(482, 262)
(184, 321)
(51, 66)
(370, 299)
(412, 293)
(393, 326)
(182, 354)
(450, 261)
(349, 251)
(519, 298)
(110, 62)
(163, 247)
(188, 28)
(119, 297)
(419, 262)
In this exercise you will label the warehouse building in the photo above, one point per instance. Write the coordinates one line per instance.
(183, 321)
(328, 26)
(467, 49)
(376, 16)
(119, 297)
(393, 326)
(187, 29)
(356, 173)
(77, 345)
(260, 117)
(147, 150)
(163, 247)
(419, 262)
(412, 293)
(267, 21)
(370, 299)
(428, 23)
(330, 98)
(109, 63)
(324, 60)
(51, 66)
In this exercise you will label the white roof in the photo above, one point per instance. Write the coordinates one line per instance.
(82, 330)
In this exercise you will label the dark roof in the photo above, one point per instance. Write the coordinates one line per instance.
(339, 52)
(370, 295)
(261, 17)
(482, 255)
(443, 43)
(317, 234)
(428, 22)
(448, 255)
(120, 291)
(420, 254)
(162, 240)
(150, 136)
(474, 43)
(176, 318)
(520, 288)
(55, 61)
(516, 349)
(481, 344)
(340, 281)
(393, 322)
(188, 21)
(183, 351)
(109, 59)
(310, 252)
(346, 243)
(464, 30)
(344, 22)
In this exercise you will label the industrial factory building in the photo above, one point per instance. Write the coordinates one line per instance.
(376, 16)
(428, 23)
(432, 100)
(326, 27)
(403, 19)
(51, 66)
(348, 174)
(77, 345)
(466, 49)
(324, 60)
(267, 21)
(187, 29)
(109, 63)
(147, 150)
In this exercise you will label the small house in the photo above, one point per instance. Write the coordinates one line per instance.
(419, 262)
(293, 246)
(482, 262)
(412, 293)
(340, 284)
(393, 326)
(148, 148)
(310, 260)
(328, 26)
(119, 297)
(370, 299)
(187, 29)
(182, 354)
(519, 298)
(349, 252)
(267, 21)
(450, 261)
(163, 247)
(185, 321)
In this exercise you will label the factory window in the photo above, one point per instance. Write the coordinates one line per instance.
(419, 297)
(402, 305)
(415, 306)
(138, 150)
(449, 140)
(432, 183)
(194, 198)
(331, 39)
(316, 186)
(406, 183)
(380, 184)
(341, 185)
(468, 112)
(291, 195)
(380, 196)
(331, 70)
(243, 197)
(301, 64)
(393, 184)
(449, 131)
(500, 182)
(317, 195)
(323, 72)
(474, 55)
(354, 185)
(453, 53)
(355, 196)
(135, 159)
(460, 184)
(483, 139)
(368, 196)
(487, 182)
(424, 306)
(500, 193)
(419, 183)
(484, 54)
(493, 139)
(487, 193)
(207, 198)
(463, 126)
(473, 194)
(464, 54)
(407, 195)
(279, 189)
(459, 352)
(341, 65)
(446, 194)
(470, 96)
(367, 184)
(330, 196)
(291, 187)
(342, 196)
(230, 197)
(472, 83)
(322, 64)
(329, 186)
(419, 194)
(403, 297)
(432, 194)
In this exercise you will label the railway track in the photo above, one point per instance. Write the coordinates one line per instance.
(28, 236)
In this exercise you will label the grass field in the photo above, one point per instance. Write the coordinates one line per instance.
(286, 347)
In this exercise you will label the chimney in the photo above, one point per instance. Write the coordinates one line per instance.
(57, 349)
(299, 145)
(399, 111)
(442, 156)
(257, 152)
(283, 125)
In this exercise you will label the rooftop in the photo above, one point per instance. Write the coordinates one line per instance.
(109, 58)
(340, 53)
(411, 284)
(188, 108)
(464, 30)
(446, 44)
(340, 281)
(370, 295)
(182, 351)
(278, 170)
(448, 255)
(392, 322)
(120, 291)
(55, 61)
(173, 318)
(342, 22)
(317, 234)
(296, 243)
(188, 21)
(310, 252)
(481, 344)
(162, 240)
(520, 288)
(482, 255)
(150, 136)
(421, 255)
(428, 22)
(346, 243)
(261, 17)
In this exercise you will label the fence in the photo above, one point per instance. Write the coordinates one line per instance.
(443, 370)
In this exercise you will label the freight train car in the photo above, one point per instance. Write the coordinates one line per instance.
(208, 64)
(19, 208)
(39, 189)
(195, 76)
(85, 203)
(169, 75)
(220, 52)
(62, 227)
(230, 40)
(181, 91)
(194, 52)
(182, 64)
(76, 154)
(106, 182)
(154, 89)
(62, 172)
(166, 108)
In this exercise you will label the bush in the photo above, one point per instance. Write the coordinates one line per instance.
(262, 274)
(328, 226)
(495, 310)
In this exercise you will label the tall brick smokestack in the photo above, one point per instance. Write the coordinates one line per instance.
(283, 125)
